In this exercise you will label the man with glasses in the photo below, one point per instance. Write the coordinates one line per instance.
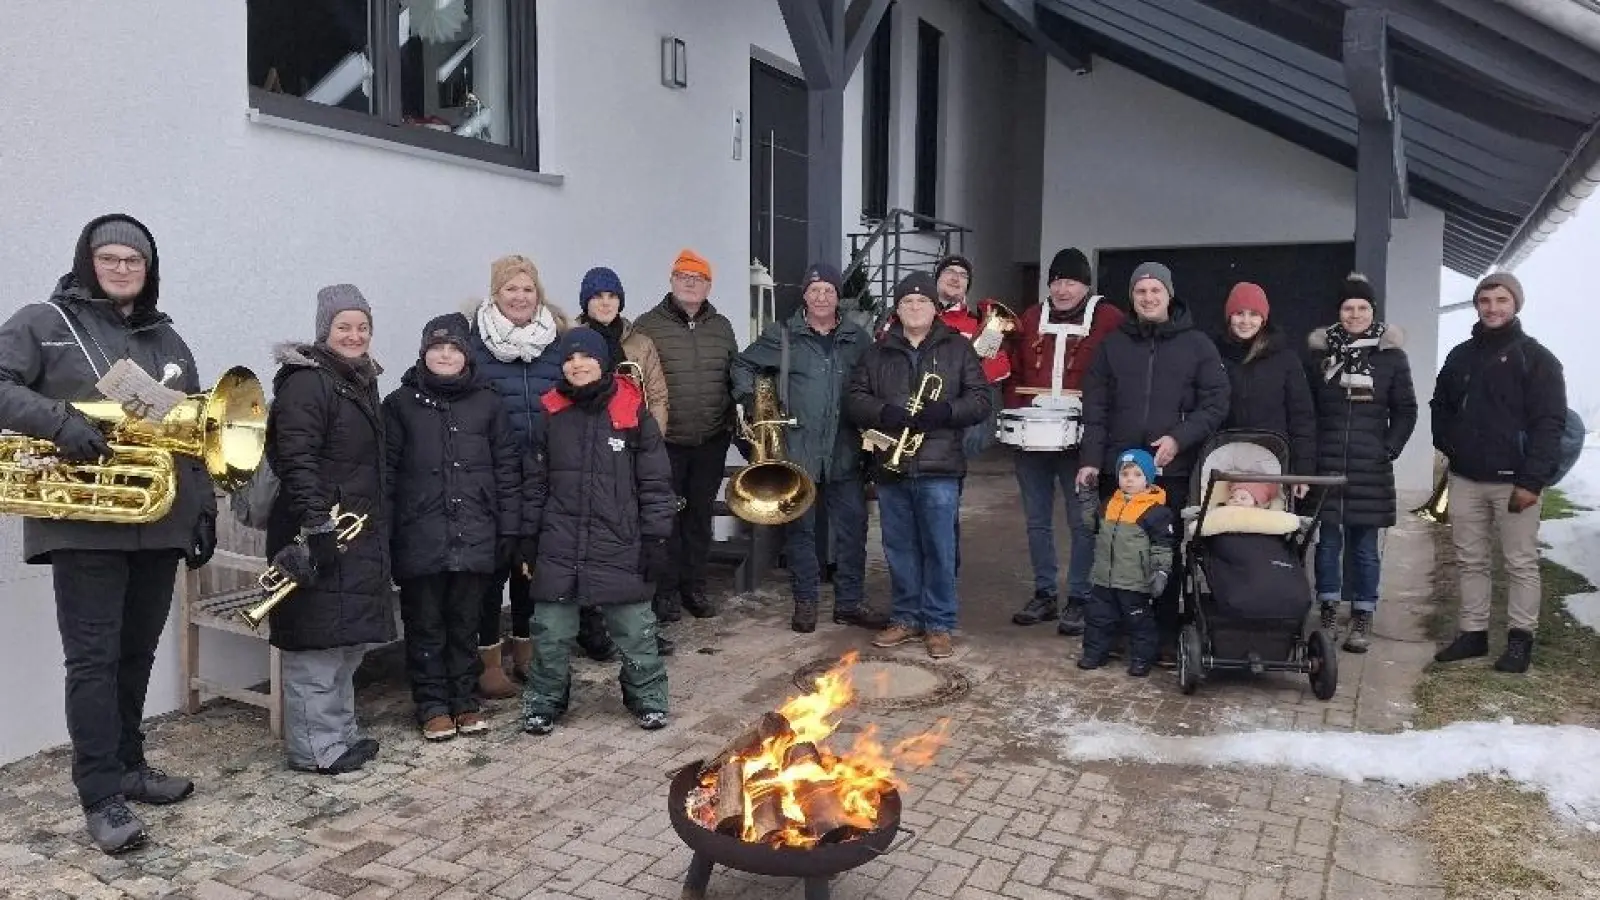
(113, 582)
(697, 347)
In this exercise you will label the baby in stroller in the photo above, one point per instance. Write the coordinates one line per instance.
(1132, 562)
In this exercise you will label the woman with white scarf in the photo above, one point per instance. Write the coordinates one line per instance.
(1366, 409)
(516, 352)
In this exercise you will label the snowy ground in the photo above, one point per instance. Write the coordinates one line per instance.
(1574, 542)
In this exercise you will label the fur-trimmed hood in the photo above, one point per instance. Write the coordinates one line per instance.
(1394, 338)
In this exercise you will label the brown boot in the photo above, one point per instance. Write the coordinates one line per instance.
(493, 683)
(521, 657)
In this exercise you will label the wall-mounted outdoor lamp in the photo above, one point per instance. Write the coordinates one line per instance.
(674, 63)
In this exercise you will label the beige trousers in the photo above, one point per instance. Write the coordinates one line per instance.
(1478, 520)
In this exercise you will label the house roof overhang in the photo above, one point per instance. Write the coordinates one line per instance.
(1499, 107)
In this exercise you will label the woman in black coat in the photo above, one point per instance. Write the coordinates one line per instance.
(1269, 392)
(325, 443)
(1366, 409)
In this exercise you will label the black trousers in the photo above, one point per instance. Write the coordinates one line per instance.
(494, 591)
(1108, 611)
(441, 618)
(111, 607)
(696, 476)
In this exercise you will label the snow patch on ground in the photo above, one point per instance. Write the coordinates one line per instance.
(1573, 542)
(1562, 761)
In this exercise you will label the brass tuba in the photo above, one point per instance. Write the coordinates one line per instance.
(770, 490)
(278, 584)
(137, 484)
(1437, 509)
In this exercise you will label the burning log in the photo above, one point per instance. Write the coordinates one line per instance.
(800, 754)
(826, 818)
(730, 798)
(766, 818)
(748, 743)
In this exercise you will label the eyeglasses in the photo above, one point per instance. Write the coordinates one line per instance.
(690, 278)
(914, 300)
(112, 263)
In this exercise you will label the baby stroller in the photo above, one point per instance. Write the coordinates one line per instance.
(1245, 597)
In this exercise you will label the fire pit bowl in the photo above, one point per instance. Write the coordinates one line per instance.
(814, 864)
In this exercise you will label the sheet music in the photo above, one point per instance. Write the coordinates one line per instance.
(141, 396)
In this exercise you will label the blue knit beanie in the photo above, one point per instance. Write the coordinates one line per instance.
(598, 280)
(1142, 459)
(590, 343)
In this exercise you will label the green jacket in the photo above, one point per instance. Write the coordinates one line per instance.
(819, 375)
(1134, 539)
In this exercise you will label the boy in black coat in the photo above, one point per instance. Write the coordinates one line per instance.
(455, 484)
(600, 508)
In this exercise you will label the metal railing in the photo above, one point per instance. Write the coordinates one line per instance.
(900, 242)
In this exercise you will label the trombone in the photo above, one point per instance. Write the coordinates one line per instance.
(277, 583)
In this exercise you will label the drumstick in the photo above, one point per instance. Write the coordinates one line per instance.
(1045, 390)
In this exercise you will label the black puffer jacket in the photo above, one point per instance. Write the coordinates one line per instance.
(891, 371)
(1270, 393)
(1499, 408)
(454, 474)
(325, 443)
(697, 356)
(1150, 381)
(599, 486)
(1361, 438)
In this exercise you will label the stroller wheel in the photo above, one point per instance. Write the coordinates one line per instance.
(1322, 665)
(1189, 667)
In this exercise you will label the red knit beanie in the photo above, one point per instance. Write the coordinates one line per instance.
(1247, 296)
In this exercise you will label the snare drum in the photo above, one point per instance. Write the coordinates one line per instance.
(1035, 428)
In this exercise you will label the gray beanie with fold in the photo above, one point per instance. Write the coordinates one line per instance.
(335, 299)
(1152, 270)
(121, 231)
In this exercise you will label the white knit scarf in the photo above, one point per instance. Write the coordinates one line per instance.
(509, 342)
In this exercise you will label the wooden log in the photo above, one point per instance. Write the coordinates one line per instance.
(801, 753)
(730, 798)
(766, 818)
(826, 818)
(772, 725)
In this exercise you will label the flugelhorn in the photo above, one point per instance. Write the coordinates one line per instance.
(771, 490)
(278, 584)
(909, 442)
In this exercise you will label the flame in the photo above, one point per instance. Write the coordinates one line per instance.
(779, 790)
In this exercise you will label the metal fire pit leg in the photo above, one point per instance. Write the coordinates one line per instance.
(818, 889)
(694, 884)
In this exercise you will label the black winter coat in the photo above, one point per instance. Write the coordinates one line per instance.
(454, 472)
(325, 443)
(1361, 438)
(890, 372)
(599, 486)
(1150, 381)
(1499, 408)
(697, 357)
(1270, 393)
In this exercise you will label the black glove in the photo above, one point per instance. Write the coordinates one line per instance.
(895, 417)
(78, 441)
(936, 414)
(203, 544)
(505, 551)
(657, 560)
(525, 554)
(295, 561)
(324, 549)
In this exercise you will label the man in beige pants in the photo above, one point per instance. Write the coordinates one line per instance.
(1499, 409)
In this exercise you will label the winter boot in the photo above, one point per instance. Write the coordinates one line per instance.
(1330, 619)
(805, 616)
(1042, 608)
(1519, 652)
(1360, 629)
(667, 607)
(521, 657)
(1467, 645)
(1071, 623)
(113, 826)
(493, 683)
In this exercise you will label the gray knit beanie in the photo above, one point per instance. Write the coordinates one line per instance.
(335, 299)
(1152, 270)
(121, 231)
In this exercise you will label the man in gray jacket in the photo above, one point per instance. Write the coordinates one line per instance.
(812, 355)
(113, 582)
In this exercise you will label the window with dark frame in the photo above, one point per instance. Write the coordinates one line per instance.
(926, 187)
(877, 97)
(454, 76)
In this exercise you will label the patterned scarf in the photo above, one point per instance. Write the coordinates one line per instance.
(510, 343)
(1350, 356)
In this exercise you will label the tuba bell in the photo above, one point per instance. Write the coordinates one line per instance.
(770, 490)
(1437, 509)
(225, 429)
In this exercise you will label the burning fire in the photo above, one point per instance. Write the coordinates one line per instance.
(792, 788)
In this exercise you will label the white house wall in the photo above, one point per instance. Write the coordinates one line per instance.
(1129, 163)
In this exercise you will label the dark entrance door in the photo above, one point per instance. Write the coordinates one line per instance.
(1301, 280)
(778, 110)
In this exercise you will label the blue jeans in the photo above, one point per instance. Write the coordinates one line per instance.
(1037, 474)
(1348, 565)
(917, 517)
(846, 505)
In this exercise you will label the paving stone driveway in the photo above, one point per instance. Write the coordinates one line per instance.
(581, 813)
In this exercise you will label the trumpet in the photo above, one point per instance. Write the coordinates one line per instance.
(278, 584)
(909, 442)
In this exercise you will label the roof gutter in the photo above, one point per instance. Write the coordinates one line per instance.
(1560, 202)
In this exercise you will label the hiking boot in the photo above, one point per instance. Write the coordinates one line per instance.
(664, 647)
(699, 605)
(861, 616)
(471, 722)
(351, 760)
(1519, 652)
(439, 728)
(148, 784)
(1090, 662)
(1467, 645)
(895, 635)
(1071, 623)
(1330, 619)
(1360, 629)
(667, 608)
(493, 683)
(805, 616)
(652, 721)
(1042, 608)
(538, 724)
(521, 659)
(1139, 668)
(939, 646)
(113, 826)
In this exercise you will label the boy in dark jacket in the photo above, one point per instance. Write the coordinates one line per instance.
(1132, 562)
(600, 509)
(455, 482)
